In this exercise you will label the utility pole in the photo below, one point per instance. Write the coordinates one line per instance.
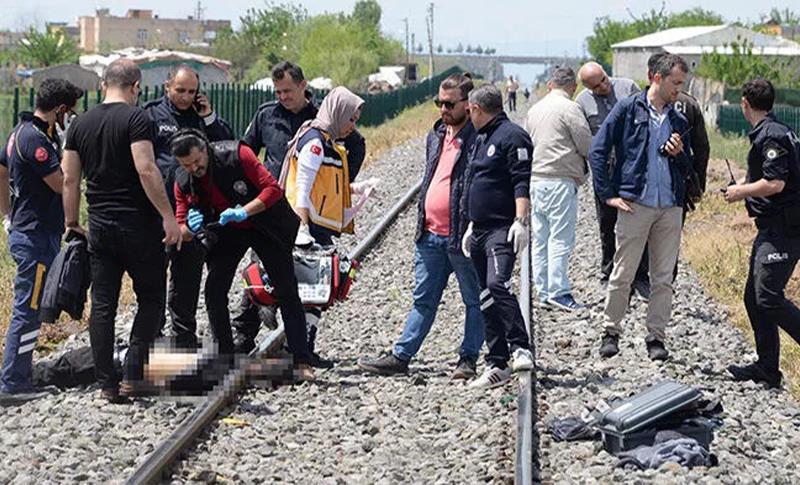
(408, 54)
(429, 25)
(198, 11)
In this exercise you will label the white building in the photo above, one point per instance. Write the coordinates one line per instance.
(630, 57)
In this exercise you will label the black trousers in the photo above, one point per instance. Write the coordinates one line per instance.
(512, 101)
(222, 263)
(772, 262)
(248, 322)
(494, 259)
(186, 272)
(125, 245)
(607, 220)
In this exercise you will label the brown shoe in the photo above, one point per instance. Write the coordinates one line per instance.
(131, 389)
(303, 373)
(112, 395)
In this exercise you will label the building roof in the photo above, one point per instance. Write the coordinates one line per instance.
(97, 62)
(669, 36)
(687, 50)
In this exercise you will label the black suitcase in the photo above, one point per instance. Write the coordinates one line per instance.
(634, 421)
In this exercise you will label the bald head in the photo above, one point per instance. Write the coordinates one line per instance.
(122, 73)
(594, 78)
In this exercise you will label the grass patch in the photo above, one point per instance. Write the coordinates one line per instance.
(732, 147)
(717, 243)
(410, 124)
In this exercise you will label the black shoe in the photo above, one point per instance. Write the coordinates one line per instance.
(642, 288)
(319, 363)
(17, 398)
(755, 373)
(465, 369)
(387, 366)
(113, 397)
(243, 344)
(656, 350)
(609, 346)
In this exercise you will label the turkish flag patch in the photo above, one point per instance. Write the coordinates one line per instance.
(316, 150)
(41, 154)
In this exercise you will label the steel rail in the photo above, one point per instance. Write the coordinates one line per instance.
(152, 469)
(523, 462)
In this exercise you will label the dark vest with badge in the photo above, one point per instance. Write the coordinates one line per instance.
(278, 222)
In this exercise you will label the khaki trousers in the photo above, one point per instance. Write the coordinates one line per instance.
(661, 230)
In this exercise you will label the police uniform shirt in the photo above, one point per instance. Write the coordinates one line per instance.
(272, 128)
(774, 155)
(32, 155)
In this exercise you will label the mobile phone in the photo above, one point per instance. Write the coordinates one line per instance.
(196, 103)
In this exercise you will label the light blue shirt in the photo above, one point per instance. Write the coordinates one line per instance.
(658, 179)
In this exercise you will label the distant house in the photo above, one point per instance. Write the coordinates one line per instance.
(630, 57)
(156, 64)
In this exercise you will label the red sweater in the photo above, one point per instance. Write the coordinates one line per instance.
(255, 173)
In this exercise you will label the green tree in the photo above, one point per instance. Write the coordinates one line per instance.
(367, 13)
(782, 17)
(49, 48)
(607, 32)
(738, 66)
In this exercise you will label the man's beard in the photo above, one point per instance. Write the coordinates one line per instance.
(453, 121)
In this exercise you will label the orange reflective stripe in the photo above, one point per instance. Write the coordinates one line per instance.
(37, 285)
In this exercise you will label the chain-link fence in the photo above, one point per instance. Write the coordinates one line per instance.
(237, 103)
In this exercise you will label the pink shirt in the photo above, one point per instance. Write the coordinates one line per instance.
(437, 199)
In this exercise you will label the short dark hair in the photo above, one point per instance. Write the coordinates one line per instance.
(562, 76)
(462, 82)
(285, 67)
(652, 62)
(174, 70)
(759, 93)
(182, 142)
(488, 97)
(667, 63)
(122, 73)
(52, 93)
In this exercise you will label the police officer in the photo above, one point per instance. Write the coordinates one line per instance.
(5, 192)
(772, 197)
(499, 173)
(37, 223)
(253, 213)
(183, 106)
(273, 126)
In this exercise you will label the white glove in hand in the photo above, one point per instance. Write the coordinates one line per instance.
(360, 187)
(518, 235)
(304, 238)
(7, 223)
(465, 241)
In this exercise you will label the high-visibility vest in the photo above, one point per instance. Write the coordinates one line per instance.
(330, 192)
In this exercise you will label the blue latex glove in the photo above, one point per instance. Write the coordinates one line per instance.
(236, 214)
(194, 220)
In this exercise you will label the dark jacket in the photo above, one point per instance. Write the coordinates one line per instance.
(499, 172)
(273, 126)
(690, 108)
(278, 222)
(433, 150)
(627, 130)
(67, 280)
(168, 119)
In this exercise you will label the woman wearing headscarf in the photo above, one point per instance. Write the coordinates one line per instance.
(315, 172)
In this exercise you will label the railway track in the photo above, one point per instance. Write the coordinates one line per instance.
(186, 435)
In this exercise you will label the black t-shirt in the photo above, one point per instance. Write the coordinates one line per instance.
(103, 137)
(774, 155)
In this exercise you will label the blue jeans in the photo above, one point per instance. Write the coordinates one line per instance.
(33, 253)
(432, 267)
(554, 214)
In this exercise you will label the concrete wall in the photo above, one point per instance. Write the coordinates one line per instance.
(107, 32)
(632, 63)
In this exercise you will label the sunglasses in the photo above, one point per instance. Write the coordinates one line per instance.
(447, 104)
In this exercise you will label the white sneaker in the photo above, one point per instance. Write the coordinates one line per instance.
(491, 377)
(522, 360)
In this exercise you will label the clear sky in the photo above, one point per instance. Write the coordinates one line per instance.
(511, 26)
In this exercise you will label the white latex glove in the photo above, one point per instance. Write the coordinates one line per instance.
(304, 238)
(360, 187)
(465, 241)
(7, 224)
(518, 235)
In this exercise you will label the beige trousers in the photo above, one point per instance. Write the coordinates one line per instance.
(661, 230)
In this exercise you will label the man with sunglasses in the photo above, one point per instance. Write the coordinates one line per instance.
(441, 223)
(130, 221)
(602, 93)
(183, 106)
(33, 157)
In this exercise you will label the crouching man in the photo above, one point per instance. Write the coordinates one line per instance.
(498, 176)
(225, 181)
